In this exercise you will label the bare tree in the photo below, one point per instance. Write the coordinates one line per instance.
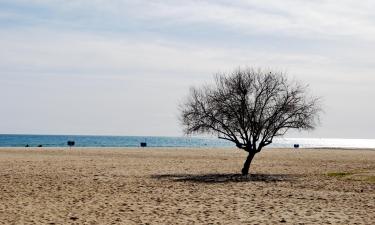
(249, 107)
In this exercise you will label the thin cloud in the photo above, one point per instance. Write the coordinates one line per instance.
(308, 19)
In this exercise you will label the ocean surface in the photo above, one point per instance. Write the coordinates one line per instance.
(12, 140)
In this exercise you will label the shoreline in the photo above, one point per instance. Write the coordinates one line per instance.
(184, 148)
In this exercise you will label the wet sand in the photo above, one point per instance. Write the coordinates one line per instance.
(185, 186)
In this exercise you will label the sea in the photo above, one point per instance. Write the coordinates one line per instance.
(18, 140)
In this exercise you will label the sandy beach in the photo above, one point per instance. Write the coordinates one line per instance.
(185, 186)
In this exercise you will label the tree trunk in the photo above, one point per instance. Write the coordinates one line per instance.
(246, 166)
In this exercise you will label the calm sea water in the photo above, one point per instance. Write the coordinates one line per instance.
(11, 140)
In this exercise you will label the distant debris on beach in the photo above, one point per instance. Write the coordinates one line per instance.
(71, 143)
(143, 144)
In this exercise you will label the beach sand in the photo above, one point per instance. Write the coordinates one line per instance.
(185, 186)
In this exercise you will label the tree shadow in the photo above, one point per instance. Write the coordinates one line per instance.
(224, 177)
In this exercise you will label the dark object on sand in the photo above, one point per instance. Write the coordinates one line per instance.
(296, 145)
(40, 145)
(71, 143)
(143, 144)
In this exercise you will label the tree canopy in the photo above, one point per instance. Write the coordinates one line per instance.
(249, 107)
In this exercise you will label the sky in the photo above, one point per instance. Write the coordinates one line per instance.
(119, 67)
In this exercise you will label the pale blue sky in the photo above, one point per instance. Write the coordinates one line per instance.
(121, 67)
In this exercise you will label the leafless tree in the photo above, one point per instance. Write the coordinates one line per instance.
(249, 107)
